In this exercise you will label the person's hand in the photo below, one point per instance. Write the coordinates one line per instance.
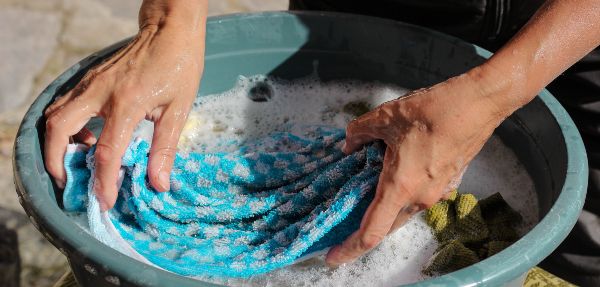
(431, 135)
(156, 77)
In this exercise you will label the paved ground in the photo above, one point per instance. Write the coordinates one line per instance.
(40, 39)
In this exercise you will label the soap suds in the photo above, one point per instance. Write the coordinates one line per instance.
(259, 105)
(235, 115)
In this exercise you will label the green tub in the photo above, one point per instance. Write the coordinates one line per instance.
(292, 45)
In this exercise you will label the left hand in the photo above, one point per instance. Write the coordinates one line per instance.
(431, 135)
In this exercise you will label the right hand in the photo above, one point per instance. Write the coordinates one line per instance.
(155, 77)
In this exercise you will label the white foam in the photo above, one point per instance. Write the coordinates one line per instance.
(399, 259)
(497, 169)
(233, 116)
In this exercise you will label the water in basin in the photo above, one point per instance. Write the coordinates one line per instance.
(259, 105)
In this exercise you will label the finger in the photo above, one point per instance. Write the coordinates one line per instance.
(378, 218)
(455, 182)
(88, 85)
(447, 195)
(355, 142)
(376, 124)
(357, 134)
(59, 103)
(86, 137)
(164, 146)
(404, 215)
(427, 200)
(60, 126)
(110, 148)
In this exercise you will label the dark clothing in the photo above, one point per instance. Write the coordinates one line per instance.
(487, 23)
(490, 23)
(577, 259)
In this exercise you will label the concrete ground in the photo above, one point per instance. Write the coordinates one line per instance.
(38, 40)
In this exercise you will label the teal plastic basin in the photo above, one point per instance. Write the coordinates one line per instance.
(291, 45)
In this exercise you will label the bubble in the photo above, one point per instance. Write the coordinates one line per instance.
(282, 103)
(261, 92)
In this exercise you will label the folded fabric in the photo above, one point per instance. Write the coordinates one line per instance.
(469, 230)
(234, 214)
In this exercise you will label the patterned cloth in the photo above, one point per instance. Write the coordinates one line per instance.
(234, 214)
(469, 230)
(538, 277)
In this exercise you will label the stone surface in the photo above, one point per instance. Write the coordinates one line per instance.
(92, 25)
(39, 39)
(27, 48)
(123, 9)
(237, 6)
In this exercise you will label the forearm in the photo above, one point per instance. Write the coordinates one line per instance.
(432, 134)
(556, 37)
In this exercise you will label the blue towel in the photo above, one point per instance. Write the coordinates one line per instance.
(235, 214)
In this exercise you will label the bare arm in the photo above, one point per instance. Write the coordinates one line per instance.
(433, 135)
(155, 77)
(556, 37)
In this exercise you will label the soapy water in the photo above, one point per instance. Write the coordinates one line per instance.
(259, 105)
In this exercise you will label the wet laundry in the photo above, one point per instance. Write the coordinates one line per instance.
(469, 230)
(264, 206)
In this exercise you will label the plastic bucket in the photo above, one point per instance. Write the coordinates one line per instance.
(339, 46)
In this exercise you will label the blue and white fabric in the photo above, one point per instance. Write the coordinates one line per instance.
(233, 214)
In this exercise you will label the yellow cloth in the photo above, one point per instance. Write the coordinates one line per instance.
(538, 277)
(469, 230)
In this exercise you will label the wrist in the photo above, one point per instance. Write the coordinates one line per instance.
(504, 89)
(177, 27)
(184, 16)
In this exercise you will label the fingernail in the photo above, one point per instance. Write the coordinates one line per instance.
(164, 179)
(102, 204)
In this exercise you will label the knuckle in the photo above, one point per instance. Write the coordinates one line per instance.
(54, 121)
(391, 197)
(407, 188)
(351, 128)
(129, 86)
(52, 108)
(104, 154)
(426, 204)
(123, 103)
(357, 125)
(369, 241)
(381, 197)
(164, 153)
(429, 200)
(53, 168)
(126, 104)
(382, 112)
